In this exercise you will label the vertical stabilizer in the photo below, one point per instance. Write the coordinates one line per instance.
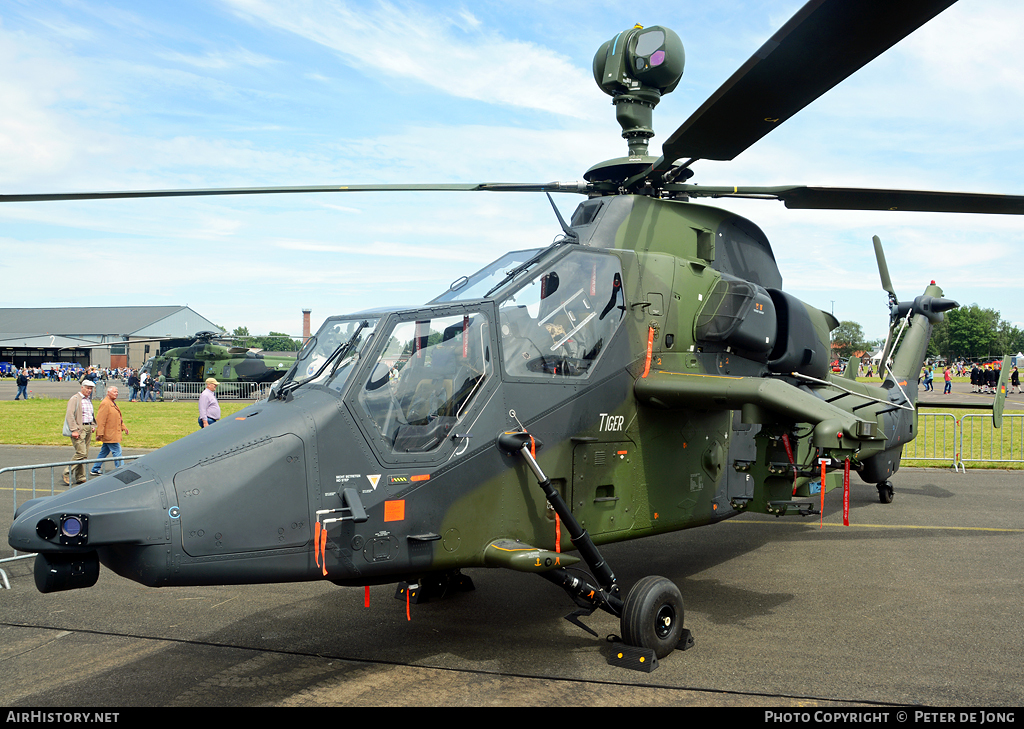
(1000, 398)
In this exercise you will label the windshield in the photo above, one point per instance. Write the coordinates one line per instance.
(329, 357)
(480, 283)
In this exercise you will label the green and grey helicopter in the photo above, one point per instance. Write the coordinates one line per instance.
(213, 355)
(645, 373)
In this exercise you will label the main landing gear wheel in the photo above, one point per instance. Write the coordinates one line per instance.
(885, 492)
(652, 616)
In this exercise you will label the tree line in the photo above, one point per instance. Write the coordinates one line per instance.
(973, 332)
(273, 342)
(969, 332)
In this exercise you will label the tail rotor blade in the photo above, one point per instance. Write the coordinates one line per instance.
(883, 269)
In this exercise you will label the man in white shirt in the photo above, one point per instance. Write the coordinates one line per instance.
(79, 423)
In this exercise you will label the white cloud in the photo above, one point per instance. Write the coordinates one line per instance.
(220, 59)
(408, 41)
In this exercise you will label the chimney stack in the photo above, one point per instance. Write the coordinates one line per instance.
(305, 325)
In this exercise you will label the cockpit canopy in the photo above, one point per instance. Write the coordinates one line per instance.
(557, 307)
(544, 314)
(557, 323)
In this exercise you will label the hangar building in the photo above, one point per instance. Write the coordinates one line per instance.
(31, 336)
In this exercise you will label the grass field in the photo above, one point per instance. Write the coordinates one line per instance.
(150, 424)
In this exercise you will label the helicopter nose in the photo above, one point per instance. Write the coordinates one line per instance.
(68, 531)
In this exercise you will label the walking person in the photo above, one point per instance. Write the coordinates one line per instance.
(22, 384)
(948, 376)
(79, 423)
(209, 408)
(90, 374)
(1014, 379)
(109, 430)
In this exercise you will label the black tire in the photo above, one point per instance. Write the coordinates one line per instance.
(885, 492)
(652, 615)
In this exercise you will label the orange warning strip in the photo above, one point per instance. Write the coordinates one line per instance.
(846, 493)
(323, 548)
(821, 512)
(558, 522)
(650, 351)
(316, 543)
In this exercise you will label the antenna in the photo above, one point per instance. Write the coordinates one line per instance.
(569, 232)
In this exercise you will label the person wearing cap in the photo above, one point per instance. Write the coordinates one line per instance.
(79, 423)
(209, 408)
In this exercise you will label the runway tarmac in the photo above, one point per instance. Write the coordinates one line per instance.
(917, 602)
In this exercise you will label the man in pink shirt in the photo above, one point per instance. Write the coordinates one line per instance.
(209, 408)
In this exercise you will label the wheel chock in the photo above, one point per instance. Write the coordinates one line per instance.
(633, 658)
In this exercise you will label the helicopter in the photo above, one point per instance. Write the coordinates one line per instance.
(208, 356)
(643, 374)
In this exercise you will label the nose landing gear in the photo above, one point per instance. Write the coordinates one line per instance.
(650, 618)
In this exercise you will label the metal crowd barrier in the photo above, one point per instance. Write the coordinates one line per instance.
(34, 489)
(941, 437)
(935, 439)
(173, 391)
(979, 441)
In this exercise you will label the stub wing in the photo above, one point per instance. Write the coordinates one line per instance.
(760, 399)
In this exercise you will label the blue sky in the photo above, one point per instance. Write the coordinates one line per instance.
(225, 93)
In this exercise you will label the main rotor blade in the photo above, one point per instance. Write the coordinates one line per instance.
(826, 41)
(578, 187)
(851, 198)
